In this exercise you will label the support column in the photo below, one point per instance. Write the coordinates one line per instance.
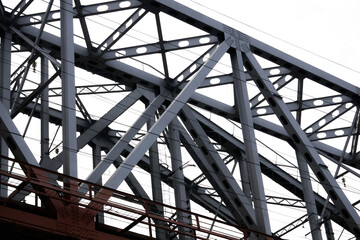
(253, 163)
(44, 115)
(329, 230)
(244, 175)
(309, 197)
(181, 199)
(68, 89)
(156, 181)
(5, 72)
(96, 160)
(305, 178)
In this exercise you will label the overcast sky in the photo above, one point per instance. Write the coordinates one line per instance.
(324, 33)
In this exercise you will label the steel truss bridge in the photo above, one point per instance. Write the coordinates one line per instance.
(138, 119)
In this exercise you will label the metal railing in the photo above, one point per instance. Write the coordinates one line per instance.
(127, 210)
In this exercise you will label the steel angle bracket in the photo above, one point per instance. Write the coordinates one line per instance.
(302, 144)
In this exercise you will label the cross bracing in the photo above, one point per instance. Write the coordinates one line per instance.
(185, 109)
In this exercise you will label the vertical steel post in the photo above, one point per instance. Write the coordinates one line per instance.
(156, 181)
(5, 72)
(181, 200)
(96, 150)
(44, 115)
(305, 178)
(309, 197)
(68, 88)
(253, 163)
(244, 175)
(329, 230)
(161, 40)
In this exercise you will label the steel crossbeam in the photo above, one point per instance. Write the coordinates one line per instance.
(85, 11)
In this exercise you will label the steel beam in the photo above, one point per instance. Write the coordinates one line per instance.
(306, 105)
(280, 83)
(120, 31)
(305, 176)
(162, 45)
(86, 11)
(181, 197)
(19, 9)
(68, 86)
(83, 24)
(44, 115)
(2, 10)
(157, 193)
(5, 67)
(21, 105)
(168, 46)
(96, 152)
(309, 198)
(327, 119)
(268, 168)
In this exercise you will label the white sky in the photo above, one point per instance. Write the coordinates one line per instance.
(324, 33)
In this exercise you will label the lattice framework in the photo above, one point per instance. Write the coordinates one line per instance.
(154, 85)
